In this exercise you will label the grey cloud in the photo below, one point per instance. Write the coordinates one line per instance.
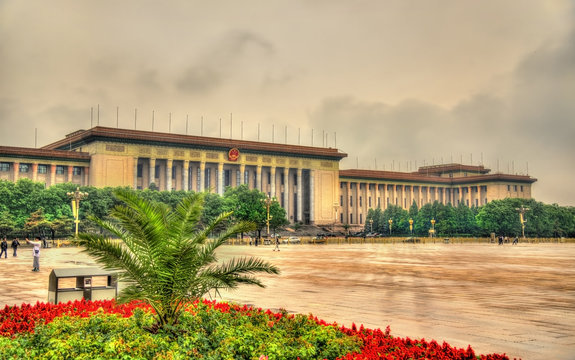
(223, 61)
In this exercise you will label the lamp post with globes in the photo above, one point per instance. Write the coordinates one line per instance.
(390, 221)
(411, 226)
(76, 196)
(432, 231)
(268, 201)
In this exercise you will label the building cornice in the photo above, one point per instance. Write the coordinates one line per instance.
(99, 133)
(48, 154)
(416, 177)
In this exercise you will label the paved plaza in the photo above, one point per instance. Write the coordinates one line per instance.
(518, 300)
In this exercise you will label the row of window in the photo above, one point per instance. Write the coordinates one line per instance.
(514, 188)
(42, 169)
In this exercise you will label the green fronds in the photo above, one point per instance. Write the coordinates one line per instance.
(163, 255)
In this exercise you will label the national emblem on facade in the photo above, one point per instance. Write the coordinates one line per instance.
(233, 154)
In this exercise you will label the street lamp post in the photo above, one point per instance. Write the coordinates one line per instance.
(390, 221)
(432, 227)
(268, 201)
(76, 196)
(522, 211)
(411, 226)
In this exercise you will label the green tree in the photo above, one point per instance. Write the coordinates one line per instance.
(37, 223)
(7, 224)
(165, 258)
(400, 219)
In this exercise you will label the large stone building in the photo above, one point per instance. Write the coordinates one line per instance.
(305, 180)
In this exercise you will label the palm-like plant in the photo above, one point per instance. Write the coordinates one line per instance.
(165, 258)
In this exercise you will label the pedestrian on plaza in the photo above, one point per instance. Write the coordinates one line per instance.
(35, 252)
(15, 244)
(277, 244)
(500, 239)
(516, 240)
(44, 242)
(4, 247)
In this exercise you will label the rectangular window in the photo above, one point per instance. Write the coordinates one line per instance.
(521, 188)
(198, 179)
(514, 187)
(24, 168)
(341, 218)
(295, 179)
(360, 201)
(238, 177)
(77, 170)
(4, 166)
(508, 187)
(476, 202)
(42, 169)
(269, 178)
(173, 172)
(341, 200)
(350, 200)
(157, 170)
(59, 169)
(247, 178)
(208, 181)
(378, 202)
(351, 218)
(140, 170)
(361, 218)
(369, 199)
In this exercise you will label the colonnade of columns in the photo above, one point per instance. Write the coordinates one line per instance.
(292, 187)
(52, 173)
(357, 198)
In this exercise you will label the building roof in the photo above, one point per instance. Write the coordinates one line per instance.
(48, 154)
(451, 168)
(99, 133)
(417, 177)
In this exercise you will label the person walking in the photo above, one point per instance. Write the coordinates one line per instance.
(15, 244)
(35, 252)
(4, 247)
(277, 244)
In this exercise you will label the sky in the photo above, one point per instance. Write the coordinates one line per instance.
(394, 84)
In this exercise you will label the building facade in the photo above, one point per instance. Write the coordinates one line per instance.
(306, 181)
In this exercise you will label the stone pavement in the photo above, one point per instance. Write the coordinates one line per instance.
(518, 300)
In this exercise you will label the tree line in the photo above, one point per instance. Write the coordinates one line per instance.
(500, 217)
(28, 208)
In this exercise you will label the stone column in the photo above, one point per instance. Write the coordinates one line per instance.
(169, 164)
(16, 171)
(299, 195)
(348, 206)
(242, 173)
(259, 178)
(311, 196)
(70, 172)
(273, 181)
(221, 178)
(286, 192)
(469, 196)
(202, 176)
(377, 200)
(35, 172)
(152, 171)
(52, 174)
(86, 176)
(186, 176)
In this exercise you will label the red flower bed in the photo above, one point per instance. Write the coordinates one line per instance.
(376, 343)
(19, 319)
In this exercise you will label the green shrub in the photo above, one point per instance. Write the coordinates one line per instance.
(206, 333)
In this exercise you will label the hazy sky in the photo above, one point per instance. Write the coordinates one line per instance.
(396, 83)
